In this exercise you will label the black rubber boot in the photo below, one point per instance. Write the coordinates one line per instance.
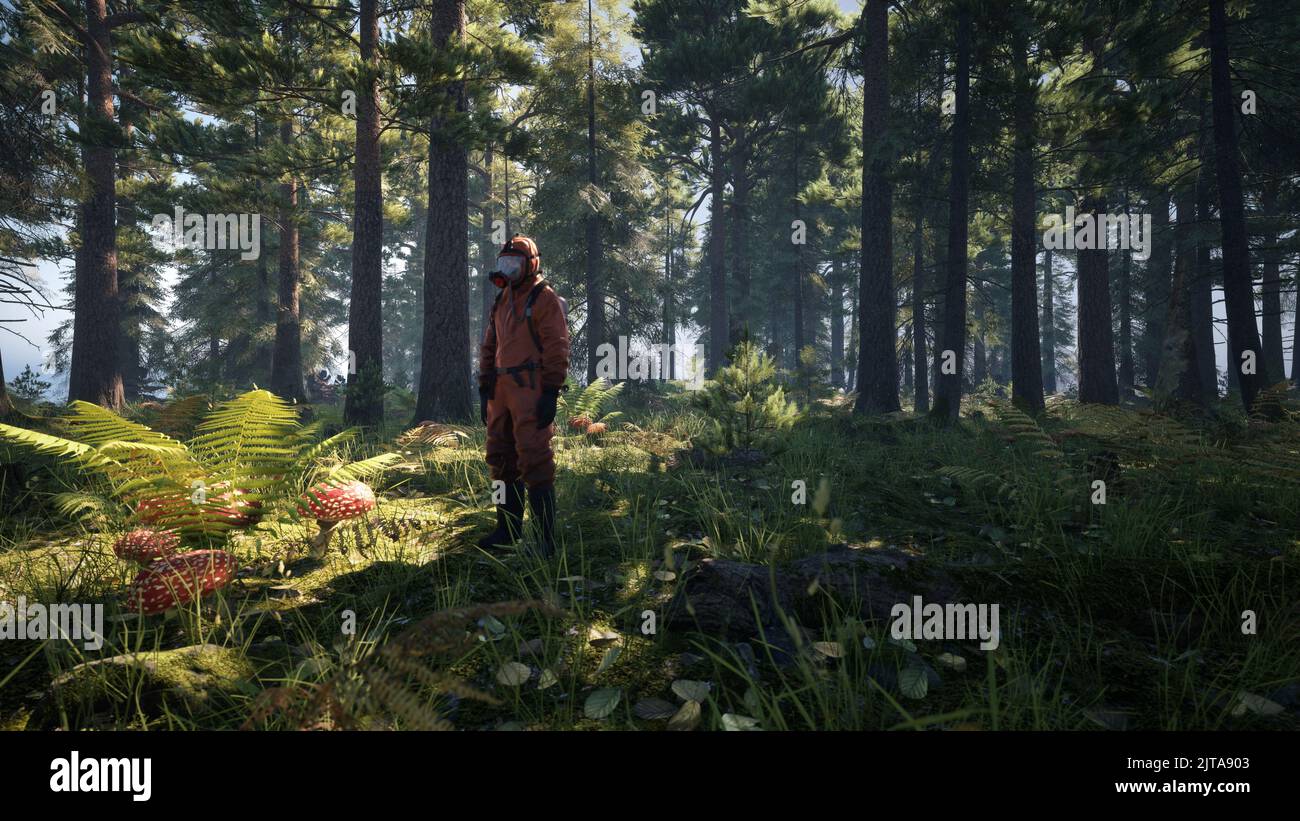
(510, 519)
(542, 502)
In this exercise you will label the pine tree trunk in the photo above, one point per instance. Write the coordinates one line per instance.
(365, 396)
(979, 356)
(444, 393)
(1238, 291)
(877, 357)
(1156, 292)
(1271, 291)
(798, 270)
(920, 363)
(1202, 296)
(948, 386)
(286, 360)
(718, 313)
(487, 248)
(6, 404)
(837, 322)
(596, 330)
(1026, 356)
(95, 373)
(739, 306)
(669, 323)
(1126, 378)
(1096, 333)
(1049, 324)
(1179, 374)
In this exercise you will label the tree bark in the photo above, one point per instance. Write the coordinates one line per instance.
(1096, 346)
(739, 306)
(486, 247)
(1156, 291)
(1026, 355)
(596, 331)
(798, 269)
(1126, 377)
(920, 363)
(877, 357)
(1271, 290)
(718, 313)
(95, 373)
(6, 404)
(1202, 296)
(444, 393)
(837, 322)
(286, 359)
(948, 386)
(1238, 291)
(1179, 374)
(1049, 324)
(365, 396)
(669, 365)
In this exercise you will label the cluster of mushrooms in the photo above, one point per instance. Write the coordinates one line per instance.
(582, 424)
(171, 578)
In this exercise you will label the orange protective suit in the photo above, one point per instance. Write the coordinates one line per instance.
(516, 447)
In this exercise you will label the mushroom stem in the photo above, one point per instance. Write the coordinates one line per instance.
(321, 541)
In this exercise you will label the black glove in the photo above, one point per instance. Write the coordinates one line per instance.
(485, 392)
(546, 406)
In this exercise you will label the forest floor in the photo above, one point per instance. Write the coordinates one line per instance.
(1125, 615)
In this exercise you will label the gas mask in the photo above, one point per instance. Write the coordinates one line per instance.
(509, 271)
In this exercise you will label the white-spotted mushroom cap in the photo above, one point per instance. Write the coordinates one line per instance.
(177, 580)
(143, 545)
(234, 508)
(326, 502)
(151, 511)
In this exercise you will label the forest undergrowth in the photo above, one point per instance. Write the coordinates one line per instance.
(1169, 605)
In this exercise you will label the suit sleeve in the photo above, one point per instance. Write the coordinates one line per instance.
(553, 329)
(487, 351)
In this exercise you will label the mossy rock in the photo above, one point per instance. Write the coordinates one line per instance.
(135, 689)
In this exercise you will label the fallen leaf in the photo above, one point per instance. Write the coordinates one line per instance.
(600, 637)
(686, 718)
(912, 681)
(513, 674)
(830, 649)
(952, 661)
(738, 723)
(611, 655)
(601, 703)
(1251, 703)
(688, 690)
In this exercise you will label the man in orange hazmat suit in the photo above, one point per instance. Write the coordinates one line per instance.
(523, 362)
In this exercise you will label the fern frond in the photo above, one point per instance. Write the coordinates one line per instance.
(49, 445)
(978, 479)
(363, 469)
(92, 425)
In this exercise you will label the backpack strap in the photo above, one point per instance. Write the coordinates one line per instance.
(528, 313)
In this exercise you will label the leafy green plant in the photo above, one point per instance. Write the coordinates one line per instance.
(747, 405)
(588, 403)
(246, 453)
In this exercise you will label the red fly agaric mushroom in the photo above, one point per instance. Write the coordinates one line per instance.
(579, 423)
(233, 508)
(151, 511)
(330, 504)
(143, 546)
(178, 580)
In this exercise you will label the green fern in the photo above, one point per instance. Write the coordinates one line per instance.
(589, 402)
(247, 453)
